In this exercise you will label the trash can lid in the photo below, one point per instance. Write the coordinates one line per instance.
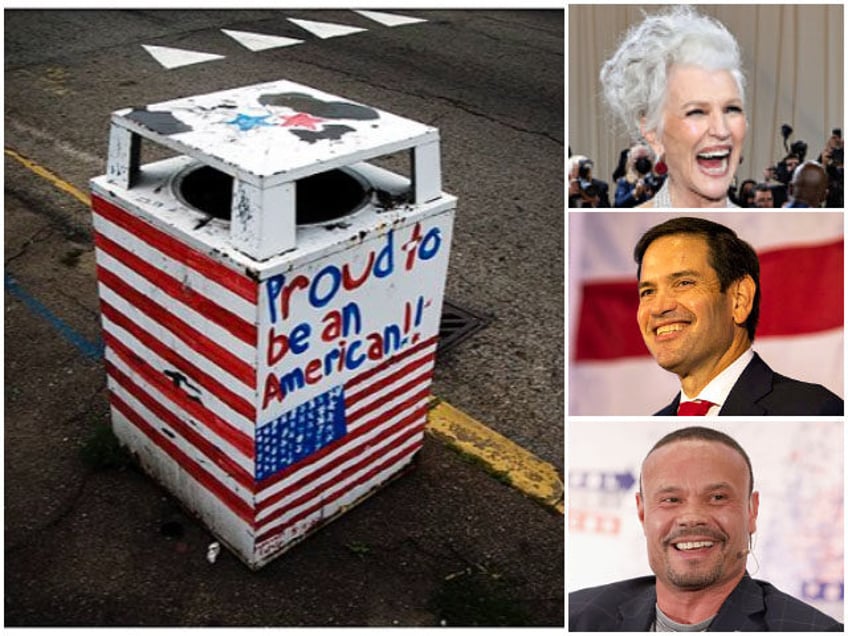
(274, 132)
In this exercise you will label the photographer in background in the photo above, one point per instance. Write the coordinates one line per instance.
(831, 159)
(795, 155)
(779, 175)
(786, 167)
(584, 191)
(639, 183)
(778, 191)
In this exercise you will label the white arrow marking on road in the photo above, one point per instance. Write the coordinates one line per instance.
(260, 41)
(325, 30)
(389, 19)
(172, 58)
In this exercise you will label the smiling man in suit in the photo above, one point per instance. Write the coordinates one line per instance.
(698, 510)
(699, 302)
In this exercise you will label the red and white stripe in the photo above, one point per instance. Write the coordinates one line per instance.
(168, 308)
(801, 315)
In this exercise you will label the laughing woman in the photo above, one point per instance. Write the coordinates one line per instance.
(676, 83)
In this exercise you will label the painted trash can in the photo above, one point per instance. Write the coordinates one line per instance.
(270, 301)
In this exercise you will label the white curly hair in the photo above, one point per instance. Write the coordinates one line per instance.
(634, 78)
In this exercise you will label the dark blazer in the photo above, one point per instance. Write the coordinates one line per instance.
(753, 606)
(761, 391)
(603, 191)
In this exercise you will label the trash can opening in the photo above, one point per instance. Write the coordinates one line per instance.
(319, 198)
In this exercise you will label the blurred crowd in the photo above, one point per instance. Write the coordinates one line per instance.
(793, 181)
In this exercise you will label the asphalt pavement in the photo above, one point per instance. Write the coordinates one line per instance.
(89, 539)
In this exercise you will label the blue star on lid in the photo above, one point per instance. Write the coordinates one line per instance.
(249, 122)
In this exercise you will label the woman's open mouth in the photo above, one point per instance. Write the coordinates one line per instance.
(714, 163)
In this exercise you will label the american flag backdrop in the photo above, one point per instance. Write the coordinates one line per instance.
(183, 353)
(800, 333)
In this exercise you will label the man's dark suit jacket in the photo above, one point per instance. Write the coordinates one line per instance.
(753, 606)
(761, 391)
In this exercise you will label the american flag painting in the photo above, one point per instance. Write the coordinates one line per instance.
(800, 331)
(373, 425)
(299, 433)
(194, 393)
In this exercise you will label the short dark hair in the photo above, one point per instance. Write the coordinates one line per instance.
(730, 256)
(762, 187)
(746, 182)
(702, 433)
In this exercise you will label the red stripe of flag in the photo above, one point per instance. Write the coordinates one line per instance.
(228, 397)
(224, 318)
(243, 443)
(423, 394)
(397, 359)
(424, 378)
(209, 450)
(209, 482)
(802, 293)
(803, 290)
(355, 397)
(211, 269)
(606, 327)
(190, 336)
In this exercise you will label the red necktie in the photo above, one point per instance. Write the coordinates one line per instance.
(696, 407)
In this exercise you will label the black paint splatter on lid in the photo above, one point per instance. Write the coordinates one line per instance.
(304, 103)
(161, 121)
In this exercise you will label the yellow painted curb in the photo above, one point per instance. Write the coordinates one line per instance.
(506, 459)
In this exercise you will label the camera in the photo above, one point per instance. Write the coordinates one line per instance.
(799, 148)
(653, 182)
(589, 189)
(584, 179)
(643, 165)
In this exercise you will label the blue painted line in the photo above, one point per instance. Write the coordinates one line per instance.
(90, 349)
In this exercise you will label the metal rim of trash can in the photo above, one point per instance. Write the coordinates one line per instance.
(341, 193)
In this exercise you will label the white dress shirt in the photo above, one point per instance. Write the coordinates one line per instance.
(720, 386)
